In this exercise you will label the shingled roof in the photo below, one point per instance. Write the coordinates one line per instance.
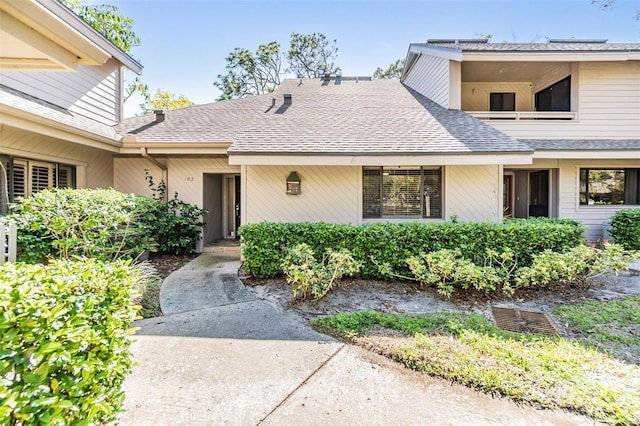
(553, 46)
(583, 144)
(336, 117)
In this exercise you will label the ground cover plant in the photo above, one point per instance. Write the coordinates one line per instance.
(610, 326)
(64, 340)
(466, 348)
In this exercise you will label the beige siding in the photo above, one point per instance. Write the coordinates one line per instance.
(430, 77)
(472, 192)
(92, 92)
(329, 194)
(185, 175)
(475, 96)
(570, 208)
(98, 164)
(609, 106)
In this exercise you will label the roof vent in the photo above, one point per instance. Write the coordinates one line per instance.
(161, 115)
(288, 99)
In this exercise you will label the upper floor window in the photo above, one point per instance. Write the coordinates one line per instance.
(556, 97)
(401, 192)
(609, 186)
(21, 178)
(502, 101)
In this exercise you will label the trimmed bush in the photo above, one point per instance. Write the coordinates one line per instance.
(64, 340)
(626, 228)
(64, 223)
(265, 244)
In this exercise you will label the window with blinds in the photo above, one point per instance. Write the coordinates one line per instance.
(26, 177)
(401, 192)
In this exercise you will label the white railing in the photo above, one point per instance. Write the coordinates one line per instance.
(524, 115)
(8, 239)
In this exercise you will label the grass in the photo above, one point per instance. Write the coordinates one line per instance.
(150, 299)
(550, 372)
(611, 326)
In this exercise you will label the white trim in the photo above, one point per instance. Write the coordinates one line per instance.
(437, 51)
(28, 155)
(588, 155)
(378, 160)
(547, 56)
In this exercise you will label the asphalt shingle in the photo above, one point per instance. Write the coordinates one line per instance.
(334, 117)
(583, 144)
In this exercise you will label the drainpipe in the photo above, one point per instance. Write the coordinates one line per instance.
(165, 173)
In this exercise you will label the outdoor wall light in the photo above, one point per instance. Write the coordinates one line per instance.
(293, 184)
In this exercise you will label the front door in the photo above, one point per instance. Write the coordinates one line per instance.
(539, 194)
(233, 206)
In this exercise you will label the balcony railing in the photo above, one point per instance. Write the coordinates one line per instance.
(524, 115)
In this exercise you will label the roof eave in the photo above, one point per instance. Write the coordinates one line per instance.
(550, 56)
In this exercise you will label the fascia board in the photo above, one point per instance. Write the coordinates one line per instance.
(550, 56)
(589, 155)
(440, 52)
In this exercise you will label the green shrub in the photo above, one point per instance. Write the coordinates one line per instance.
(265, 244)
(625, 230)
(64, 340)
(312, 278)
(63, 223)
(174, 224)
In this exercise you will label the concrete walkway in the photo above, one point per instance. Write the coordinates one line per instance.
(220, 355)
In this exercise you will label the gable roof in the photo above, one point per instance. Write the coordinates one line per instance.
(337, 117)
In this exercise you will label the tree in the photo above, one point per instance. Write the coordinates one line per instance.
(257, 73)
(312, 55)
(393, 71)
(249, 73)
(108, 21)
(165, 100)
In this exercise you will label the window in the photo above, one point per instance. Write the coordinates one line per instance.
(609, 186)
(401, 192)
(556, 97)
(20, 178)
(502, 102)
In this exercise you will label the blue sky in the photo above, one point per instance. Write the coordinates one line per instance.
(184, 43)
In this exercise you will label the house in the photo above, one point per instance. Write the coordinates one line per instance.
(576, 103)
(61, 88)
(475, 130)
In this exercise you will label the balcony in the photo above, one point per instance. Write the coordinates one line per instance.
(524, 115)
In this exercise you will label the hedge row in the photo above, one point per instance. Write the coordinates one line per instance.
(264, 244)
(625, 228)
(64, 340)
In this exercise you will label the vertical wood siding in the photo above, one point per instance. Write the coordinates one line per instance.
(329, 194)
(99, 170)
(430, 77)
(608, 106)
(472, 192)
(569, 187)
(475, 96)
(90, 91)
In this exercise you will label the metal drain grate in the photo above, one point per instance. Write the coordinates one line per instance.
(524, 321)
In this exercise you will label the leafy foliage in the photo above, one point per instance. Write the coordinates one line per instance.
(626, 228)
(65, 223)
(174, 224)
(312, 55)
(448, 270)
(393, 71)
(108, 21)
(312, 278)
(250, 74)
(64, 339)
(165, 100)
(265, 244)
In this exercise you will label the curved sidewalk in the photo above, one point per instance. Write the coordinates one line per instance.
(220, 355)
